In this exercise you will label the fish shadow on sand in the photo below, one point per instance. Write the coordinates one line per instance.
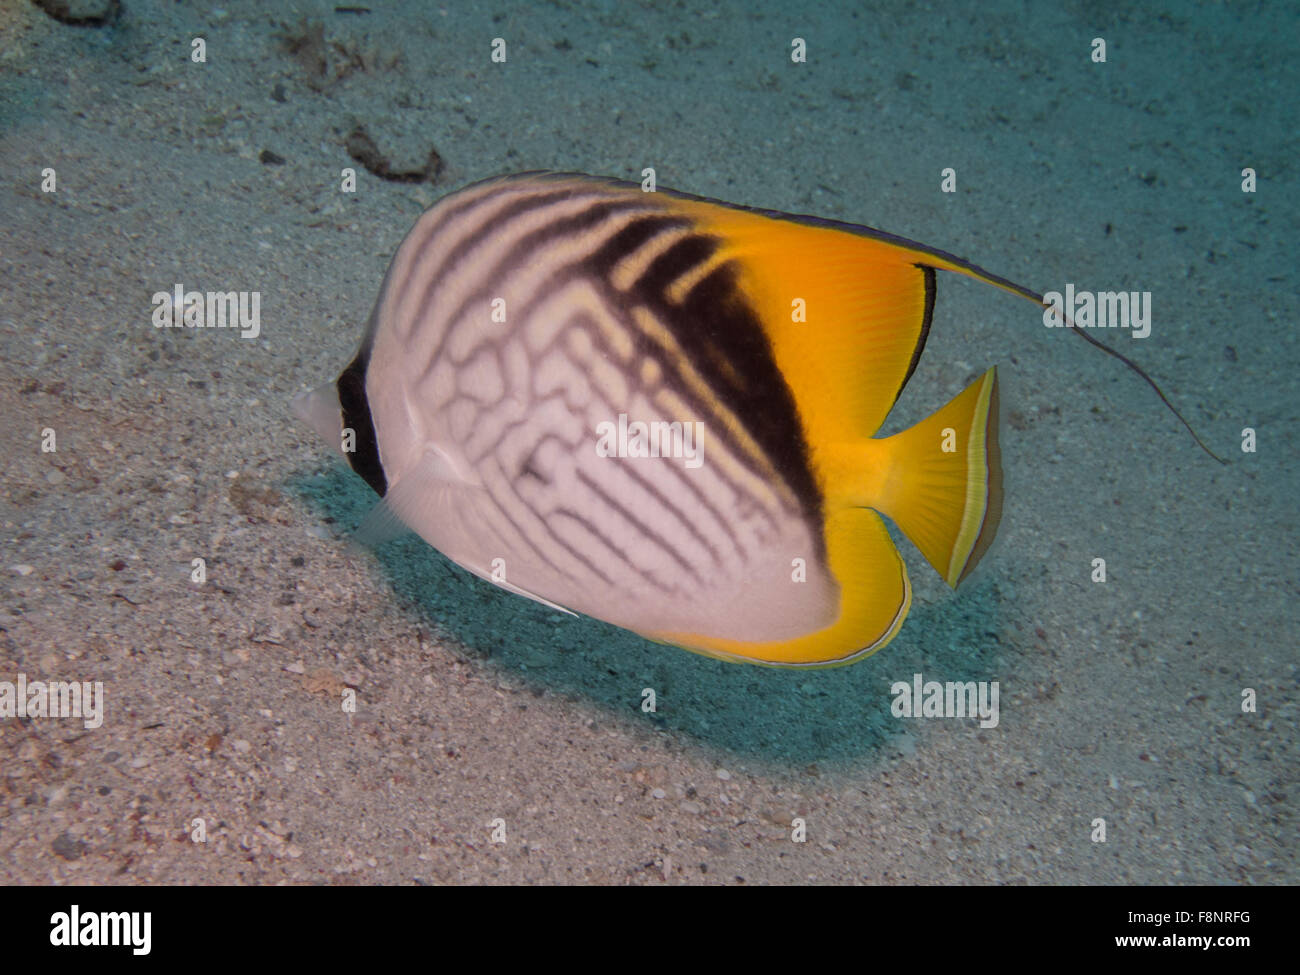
(775, 716)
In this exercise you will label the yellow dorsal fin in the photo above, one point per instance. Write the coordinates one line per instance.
(868, 296)
(846, 313)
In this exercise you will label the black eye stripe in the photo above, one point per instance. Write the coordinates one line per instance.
(356, 414)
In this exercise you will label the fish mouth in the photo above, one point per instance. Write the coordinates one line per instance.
(319, 409)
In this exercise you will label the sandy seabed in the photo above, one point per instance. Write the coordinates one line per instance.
(1120, 701)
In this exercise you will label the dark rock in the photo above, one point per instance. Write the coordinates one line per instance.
(362, 148)
(82, 13)
(68, 848)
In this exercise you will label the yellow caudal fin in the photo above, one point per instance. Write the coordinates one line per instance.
(940, 481)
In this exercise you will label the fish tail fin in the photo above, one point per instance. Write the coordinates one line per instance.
(941, 480)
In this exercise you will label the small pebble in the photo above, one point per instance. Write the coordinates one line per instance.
(694, 808)
(68, 848)
(241, 746)
(23, 570)
(659, 794)
(724, 775)
(55, 477)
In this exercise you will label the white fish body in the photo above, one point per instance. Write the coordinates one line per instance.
(487, 431)
(536, 334)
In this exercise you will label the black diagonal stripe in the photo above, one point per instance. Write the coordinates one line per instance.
(630, 517)
(583, 322)
(723, 338)
(525, 202)
(619, 305)
(608, 543)
(628, 241)
(429, 281)
(645, 348)
(448, 209)
(676, 513)
(523, 250)
(545, 526)
(522, 535)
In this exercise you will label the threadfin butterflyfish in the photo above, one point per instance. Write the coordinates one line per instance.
(659, 410)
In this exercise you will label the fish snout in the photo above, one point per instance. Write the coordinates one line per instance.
(319, 409)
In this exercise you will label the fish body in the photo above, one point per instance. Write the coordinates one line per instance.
(658, 410)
